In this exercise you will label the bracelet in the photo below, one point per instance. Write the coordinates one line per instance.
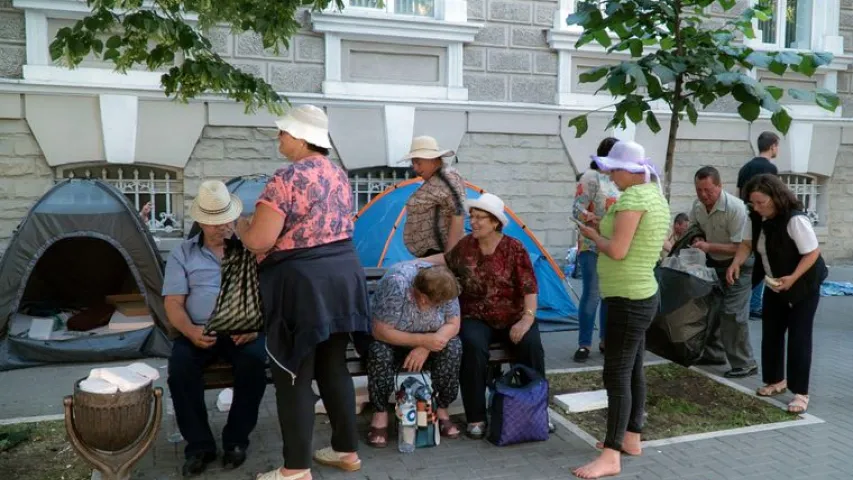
(530, 312)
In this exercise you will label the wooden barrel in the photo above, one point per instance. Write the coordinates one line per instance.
(111, 422)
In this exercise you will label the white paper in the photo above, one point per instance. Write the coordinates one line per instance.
(223, 401)
(41, 328)
(144, 370)
(97, 385)
(125, 379)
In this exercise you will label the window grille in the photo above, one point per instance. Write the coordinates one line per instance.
(141, 184)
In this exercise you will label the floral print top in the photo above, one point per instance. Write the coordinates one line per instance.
(315, 199)
(493, 286)
(595, 193)
(393, 303)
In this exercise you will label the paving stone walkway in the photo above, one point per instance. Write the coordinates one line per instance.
(822, 451)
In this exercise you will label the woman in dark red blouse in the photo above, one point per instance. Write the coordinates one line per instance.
(498, 302)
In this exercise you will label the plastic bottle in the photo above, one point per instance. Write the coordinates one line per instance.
(407, 414)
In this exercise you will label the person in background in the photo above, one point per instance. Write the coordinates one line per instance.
(768, 150)
(314, 292)
(435, 217)
(629, 239)
(787, 248)
(190, 288)
(722, 216)
(415, 325)
(498, 302)
(594, 195)
(679, 228)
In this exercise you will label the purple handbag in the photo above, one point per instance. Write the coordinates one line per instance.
(519, 408)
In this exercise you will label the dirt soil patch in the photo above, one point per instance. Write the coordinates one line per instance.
(39, 451)
(679, 402)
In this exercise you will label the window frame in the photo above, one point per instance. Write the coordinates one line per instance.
(807, 188)
(782, 27)
(390, 9)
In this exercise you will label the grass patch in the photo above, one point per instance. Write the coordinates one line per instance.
(679, 402)
(39, 451)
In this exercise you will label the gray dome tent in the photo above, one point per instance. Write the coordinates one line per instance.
(248, 188)
(79, 243)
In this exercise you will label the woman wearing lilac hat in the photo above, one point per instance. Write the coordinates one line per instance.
(629, 241)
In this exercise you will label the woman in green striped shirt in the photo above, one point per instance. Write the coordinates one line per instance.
(629, 242)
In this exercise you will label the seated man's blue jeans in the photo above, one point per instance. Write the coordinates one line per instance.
(590, 300)
(186, 386)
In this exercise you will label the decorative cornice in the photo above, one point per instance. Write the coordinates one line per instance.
(423, 31)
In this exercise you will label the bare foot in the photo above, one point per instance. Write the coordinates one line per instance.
(606, 465)
(631, 444)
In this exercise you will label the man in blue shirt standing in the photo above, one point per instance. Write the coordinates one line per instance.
(190, 288)
(768, 149)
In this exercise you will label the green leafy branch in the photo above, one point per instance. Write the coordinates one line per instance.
(675, 58)
(162, 33)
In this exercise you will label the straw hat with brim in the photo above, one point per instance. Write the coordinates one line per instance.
(214, 205)
(426, 147)
(307, 122)
(489, 203)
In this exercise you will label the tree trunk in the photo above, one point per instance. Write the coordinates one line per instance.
(676, 106)
(674, 122)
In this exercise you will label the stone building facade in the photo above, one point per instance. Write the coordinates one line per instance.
(495, 80)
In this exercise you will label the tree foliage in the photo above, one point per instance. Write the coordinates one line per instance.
(675, 57)
(174, 34)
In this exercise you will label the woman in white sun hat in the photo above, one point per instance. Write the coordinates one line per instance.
(314, 292)
(435, 217)
(498, 302)
(629, 239)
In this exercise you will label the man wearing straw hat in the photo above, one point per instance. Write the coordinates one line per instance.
(435, 216)
(190, 288)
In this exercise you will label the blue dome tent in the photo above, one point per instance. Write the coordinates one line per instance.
(378, 239)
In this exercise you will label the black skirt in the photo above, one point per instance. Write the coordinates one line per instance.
(309, 294)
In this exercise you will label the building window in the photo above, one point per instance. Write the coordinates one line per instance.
(807, 190)
(140, 184)
(368, 183)
(790, 26)
(418, 8)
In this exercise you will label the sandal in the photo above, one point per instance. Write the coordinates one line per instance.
(773, 389)
(476, 430)
(445, 426)
(276, 475)
(377, 437)
(799, 404)
(330, 458)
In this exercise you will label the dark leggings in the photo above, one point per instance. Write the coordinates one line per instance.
(295, 402)
(624, 378)
(777, 317)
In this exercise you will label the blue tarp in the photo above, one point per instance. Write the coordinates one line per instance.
(379, 241)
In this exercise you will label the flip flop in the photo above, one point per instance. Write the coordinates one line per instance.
(330, 458)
